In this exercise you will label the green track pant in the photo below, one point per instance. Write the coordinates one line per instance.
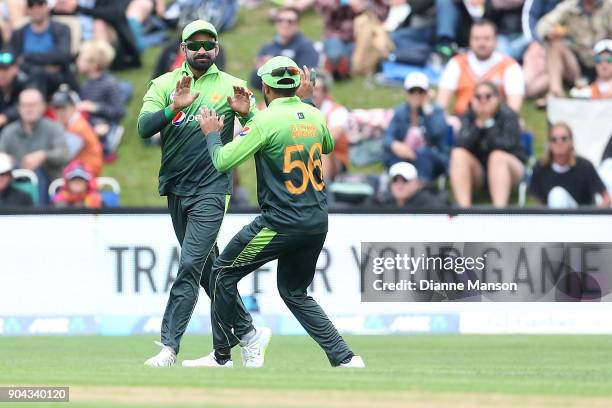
(297, 256)
(196, 221)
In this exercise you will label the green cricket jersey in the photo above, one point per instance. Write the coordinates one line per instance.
(288, 139)
(186, 168)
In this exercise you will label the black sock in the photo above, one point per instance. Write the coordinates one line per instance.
(223, 356)
(348, 359)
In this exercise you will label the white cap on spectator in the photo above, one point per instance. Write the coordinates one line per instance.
(404, 169)
(416, 80)
(6, 163)
(602, 46)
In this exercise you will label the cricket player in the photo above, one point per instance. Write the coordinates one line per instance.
(288, 139)
(197, 193)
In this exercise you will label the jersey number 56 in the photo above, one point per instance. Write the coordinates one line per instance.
(307, 170)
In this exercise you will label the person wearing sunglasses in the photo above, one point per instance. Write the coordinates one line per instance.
(487, 149)
(197, 193)
(287, 140)
(602, 86)
(288, 41)
(563, 179)
(416, 132)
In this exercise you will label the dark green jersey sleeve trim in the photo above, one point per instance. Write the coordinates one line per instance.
(149, 124)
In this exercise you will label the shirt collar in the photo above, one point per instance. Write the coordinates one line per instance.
(212, 70)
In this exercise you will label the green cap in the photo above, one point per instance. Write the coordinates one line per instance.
(199, 26)
(285, 81)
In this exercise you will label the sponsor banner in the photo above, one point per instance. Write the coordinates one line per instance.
(66, 266)
(280, 324)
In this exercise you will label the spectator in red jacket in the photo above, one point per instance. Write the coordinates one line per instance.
(80, 188)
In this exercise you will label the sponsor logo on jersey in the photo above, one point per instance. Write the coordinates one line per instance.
(179, 119)
(244, 132)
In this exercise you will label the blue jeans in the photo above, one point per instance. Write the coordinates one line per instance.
(430, 163)
(413, 45)
(447, 19)
(513, 45)
(334, 48)
(43, 186)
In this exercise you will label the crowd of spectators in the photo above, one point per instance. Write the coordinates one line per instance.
(456, 133)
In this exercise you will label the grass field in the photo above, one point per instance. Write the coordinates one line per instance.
(403, 371)
(137, 166)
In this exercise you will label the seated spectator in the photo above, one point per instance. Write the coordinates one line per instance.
(339, 40)
(601, 88)
(407, 192)
(42, 49)
(10, 197)
(90, 151)
(563, 179)
(507, 17)
(481, 63)
(571, 31)
(488, 148)
(79, 190)
(534, 58)
(412, 27)
(101, 94)
(417, 130)
(111, 25)
(35, 142)
(289, 42)
(11, 85)
(337, 117)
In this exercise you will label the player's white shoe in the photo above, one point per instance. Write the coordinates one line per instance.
(355, 362)
(254, 350)
(207, 361)
(165, 358)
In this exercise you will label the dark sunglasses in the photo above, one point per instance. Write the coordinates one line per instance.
(417, 91)
(286, 20)
(599, 59)
(280, 72)
(484, 97)
(208, 45)
(553, 139)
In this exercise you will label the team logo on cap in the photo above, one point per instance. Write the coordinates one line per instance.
(179, 119)
(244, 132)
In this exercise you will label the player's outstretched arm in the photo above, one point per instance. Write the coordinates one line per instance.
(154, 115)
(227, 157)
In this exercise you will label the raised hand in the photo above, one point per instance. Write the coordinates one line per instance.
(209, 122)
(182, 94)
(241, 101)
(306, 89)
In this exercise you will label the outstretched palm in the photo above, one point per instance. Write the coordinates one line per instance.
(182, 94)
(241, 101)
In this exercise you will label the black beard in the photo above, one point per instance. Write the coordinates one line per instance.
(200, 64)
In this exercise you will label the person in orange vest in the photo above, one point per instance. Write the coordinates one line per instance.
(481, 63)
(337, 118)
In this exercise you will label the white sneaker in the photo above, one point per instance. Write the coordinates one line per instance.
(165, 358)
(207, 361)
(253, 351)
(356, 362)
